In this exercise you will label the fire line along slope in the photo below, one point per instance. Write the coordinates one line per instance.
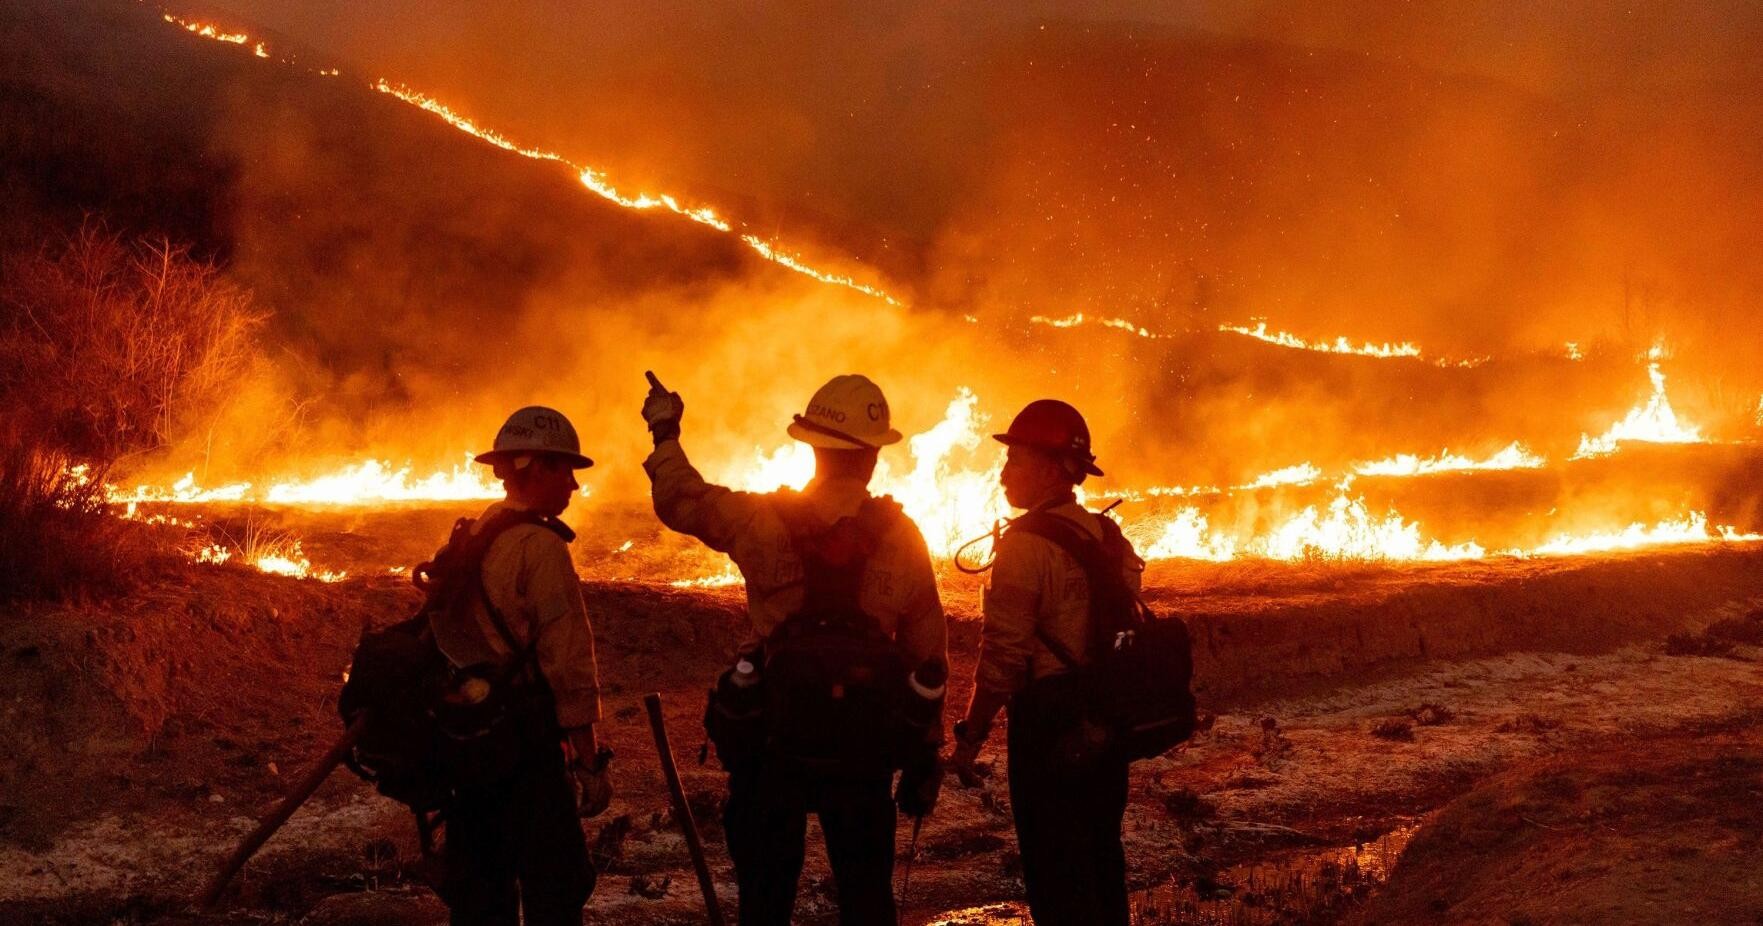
(407, 266)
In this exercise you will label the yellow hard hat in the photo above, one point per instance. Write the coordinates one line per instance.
(536, 429)
(848, 413)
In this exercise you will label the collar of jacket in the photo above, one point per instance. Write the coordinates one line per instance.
(837, 496)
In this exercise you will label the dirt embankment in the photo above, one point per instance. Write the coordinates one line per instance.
(1261, 634)
(1665, 831)
(142, 734)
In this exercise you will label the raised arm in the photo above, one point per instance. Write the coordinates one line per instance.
(684, 501)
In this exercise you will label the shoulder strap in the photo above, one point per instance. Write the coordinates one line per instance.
(835, 556)
(1100, 564)
(464, 558)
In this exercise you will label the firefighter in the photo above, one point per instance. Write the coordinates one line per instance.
(816, 756)
(514, 846)
(1068, 813)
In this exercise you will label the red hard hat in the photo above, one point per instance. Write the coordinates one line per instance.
(1055, 427)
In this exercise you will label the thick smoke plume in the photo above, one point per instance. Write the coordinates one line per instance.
(1487, 182)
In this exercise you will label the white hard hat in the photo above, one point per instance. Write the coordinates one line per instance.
(533, 430)
(848, 413)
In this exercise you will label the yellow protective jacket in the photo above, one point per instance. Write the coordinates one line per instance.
(530, 579)
(1036, 586)
(899, 586)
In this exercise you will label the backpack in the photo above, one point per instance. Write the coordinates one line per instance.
(1136, 688)
(431, 728)
(834, 682)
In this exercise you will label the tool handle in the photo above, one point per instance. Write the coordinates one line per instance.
(681, 810)
(272, 821)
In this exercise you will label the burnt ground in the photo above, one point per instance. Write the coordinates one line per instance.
(143, 734)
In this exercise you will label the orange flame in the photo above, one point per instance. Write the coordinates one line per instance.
(1078, 319)
(370, 482)
(951, 488)
(1338, 346)
(1513, 456)
(281, 560)
(1654, 422)
(591, 179)
(1691, 528)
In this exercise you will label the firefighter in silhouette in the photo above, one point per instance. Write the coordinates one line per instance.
(1068, 801)
(841, 681)
(514, 848)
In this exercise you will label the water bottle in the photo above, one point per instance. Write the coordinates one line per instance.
(735, 718)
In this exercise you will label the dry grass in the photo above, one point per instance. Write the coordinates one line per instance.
(108, 349)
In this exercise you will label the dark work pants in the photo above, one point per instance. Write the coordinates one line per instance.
(1068, 831)
(516, 846)
(766, 821)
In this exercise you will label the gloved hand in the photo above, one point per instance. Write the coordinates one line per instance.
(920, 782)
(964, 760)
(592, 783)
(662, 410)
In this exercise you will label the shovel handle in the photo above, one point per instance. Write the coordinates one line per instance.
(272, 821)
(681, 810)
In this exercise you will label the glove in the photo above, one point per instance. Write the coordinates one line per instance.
(963, 761)
(920, 782)
(592, 784)
(662, 410)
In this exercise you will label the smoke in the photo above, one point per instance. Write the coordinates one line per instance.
(1374, 170)
(1486, 180)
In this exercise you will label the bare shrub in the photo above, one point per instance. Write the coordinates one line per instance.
(108, 349)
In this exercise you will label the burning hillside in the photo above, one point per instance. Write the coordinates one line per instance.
(1427, 383)
(1286, 511)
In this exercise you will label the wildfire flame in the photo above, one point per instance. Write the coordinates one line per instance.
(951, 489)
(209, 31)
(370, 482)
(1654, 422)
(590, 178)
(1079, 319)
(1299, 475)
(1339, 345)
(1691, 528)
(950, 502)
(1513, 456)
(281, 560)
(727, 577)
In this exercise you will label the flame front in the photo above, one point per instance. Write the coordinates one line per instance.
(1691, 528)
(951, 487)
(1654, 422)
(590, 178)
(1513, 456)
(1337, 346)
(370, 482)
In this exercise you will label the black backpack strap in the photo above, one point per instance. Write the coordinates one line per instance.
(835, 556)
(1101, 566)
(472, 550)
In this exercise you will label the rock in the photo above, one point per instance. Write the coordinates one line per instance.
(1393, 729)
(646, 886)
(1431, 715)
